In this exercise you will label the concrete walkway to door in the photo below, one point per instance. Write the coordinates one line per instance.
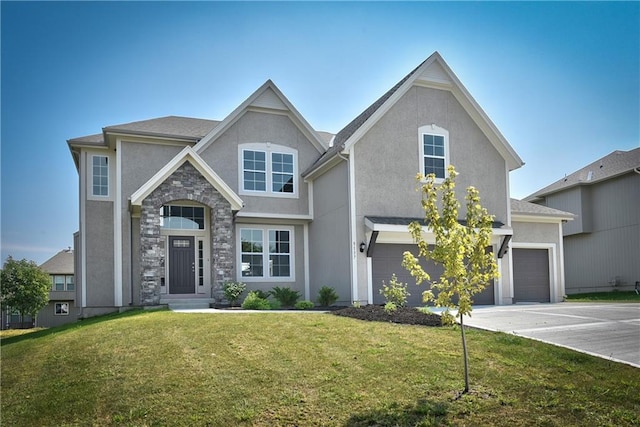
(607, 330)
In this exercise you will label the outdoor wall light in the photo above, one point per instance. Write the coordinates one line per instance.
(363, 246)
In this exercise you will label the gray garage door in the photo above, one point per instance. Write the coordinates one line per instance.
(387, 260)
(531, 275)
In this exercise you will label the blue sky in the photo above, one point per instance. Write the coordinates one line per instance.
(560, 80)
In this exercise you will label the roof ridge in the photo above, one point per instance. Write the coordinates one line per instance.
(606, 162)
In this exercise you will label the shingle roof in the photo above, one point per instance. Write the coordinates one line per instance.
(172, 126)
(525, 208)
(60, 263)
(610, 166)
(97, 139)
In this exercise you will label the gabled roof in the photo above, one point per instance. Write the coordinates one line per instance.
(168, 127)
(522, 208)
(433, 72)
(97, 139)
(188, 154)
(610, 166)
(60, 263)
(270, 99)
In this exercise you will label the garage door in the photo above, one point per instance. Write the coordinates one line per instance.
(387, 260)
(531, 275)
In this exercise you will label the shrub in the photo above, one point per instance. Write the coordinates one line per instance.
(390, 307)
(286, 296)
(274, 304)
(232, 291)
(304, 305)
(253, 301)
(327, 296)
(261, 294)
(395, 292)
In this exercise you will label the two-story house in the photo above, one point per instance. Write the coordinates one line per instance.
(602, 244)
(171, 208)
(61, 306)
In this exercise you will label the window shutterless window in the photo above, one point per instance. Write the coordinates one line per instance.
(268, 169)
(434, 151)
(100, 174)
(61, 309)
(281, 173)
(254, 170)
(178, 217)
(252, 254)
(434, 159)
(266, 253)
(58, 283)
(279, 253)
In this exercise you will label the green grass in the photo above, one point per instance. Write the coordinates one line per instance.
(162, 368)
(615, 296)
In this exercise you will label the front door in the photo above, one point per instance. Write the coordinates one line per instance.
(182, 267)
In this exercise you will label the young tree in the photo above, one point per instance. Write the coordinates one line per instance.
(23, 287)
(461, 248)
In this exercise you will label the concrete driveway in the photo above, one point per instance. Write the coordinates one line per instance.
(607, 330)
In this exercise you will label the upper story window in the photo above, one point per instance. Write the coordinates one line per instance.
(268, 169)
(178, 217)
(63, 283)
(434, 151)
(100, 174)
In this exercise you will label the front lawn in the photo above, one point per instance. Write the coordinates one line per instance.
(616, 296)
(163, 368)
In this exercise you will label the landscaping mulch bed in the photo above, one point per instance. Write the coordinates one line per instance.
(403, 315)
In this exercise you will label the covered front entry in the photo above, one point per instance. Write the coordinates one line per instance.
(387, 260)
(182, 265)
(185, 227)
(185, 199)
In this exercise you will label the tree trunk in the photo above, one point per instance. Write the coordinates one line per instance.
(466, 358)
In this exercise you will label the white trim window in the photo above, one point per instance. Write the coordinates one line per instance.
(100, 175)
(268, 170)
(63, 283)
(434, 151)
(182, 217)
(266, 253)
(61, 309)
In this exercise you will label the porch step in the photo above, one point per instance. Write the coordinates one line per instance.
(187, 303)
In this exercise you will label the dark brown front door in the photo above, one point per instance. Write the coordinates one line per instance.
(182, 265)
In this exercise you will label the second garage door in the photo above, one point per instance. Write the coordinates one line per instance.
(531, 275)
(387, 260)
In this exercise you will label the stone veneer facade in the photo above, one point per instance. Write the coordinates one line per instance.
(186, 183)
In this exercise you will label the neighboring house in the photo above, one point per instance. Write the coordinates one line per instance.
(61, 306)
(602, 245)
(171, 208)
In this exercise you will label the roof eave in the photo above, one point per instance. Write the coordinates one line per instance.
(156, 135)
(540, 195)
(538, 217)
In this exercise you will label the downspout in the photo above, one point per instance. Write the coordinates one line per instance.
(637, 170)
(130, 256)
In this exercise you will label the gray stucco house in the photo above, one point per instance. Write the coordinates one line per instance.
(61, 306)
(602, 244)
(171, 208)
